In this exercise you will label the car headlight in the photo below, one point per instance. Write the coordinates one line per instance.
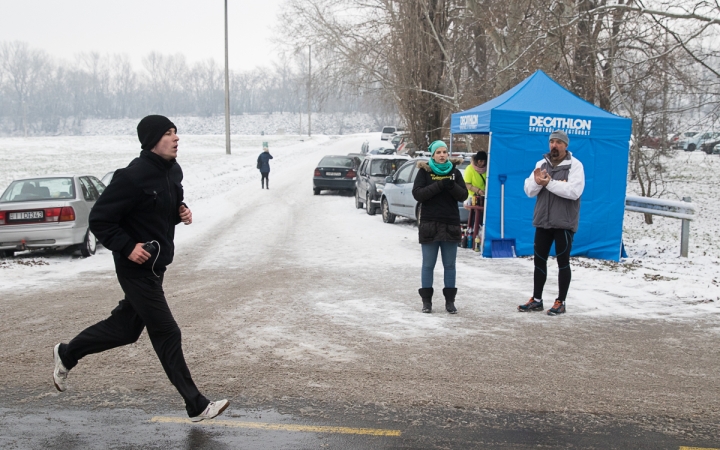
(379, 188)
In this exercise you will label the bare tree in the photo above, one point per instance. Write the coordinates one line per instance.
(124, 85)
(207, 88)
(166, 76)
(24, 68)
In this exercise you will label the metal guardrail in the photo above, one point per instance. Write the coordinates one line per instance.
(683, 210)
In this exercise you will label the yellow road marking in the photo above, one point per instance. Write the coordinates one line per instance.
(697, 448)
(281, 427)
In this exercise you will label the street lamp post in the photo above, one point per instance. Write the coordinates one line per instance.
(227, 88)
(309, 89)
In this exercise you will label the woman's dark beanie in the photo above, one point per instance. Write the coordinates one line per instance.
(151, 129)
(480, 156)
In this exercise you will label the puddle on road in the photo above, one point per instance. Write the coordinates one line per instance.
(50, 428)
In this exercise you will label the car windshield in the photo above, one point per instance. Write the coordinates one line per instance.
(336, 161)
(388, 130)
(384, 167)
(39, 189)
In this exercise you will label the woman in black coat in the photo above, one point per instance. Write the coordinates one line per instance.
(263, 165)
(439, 186)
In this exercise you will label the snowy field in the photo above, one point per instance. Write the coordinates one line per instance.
(654, 282)
(245, 124)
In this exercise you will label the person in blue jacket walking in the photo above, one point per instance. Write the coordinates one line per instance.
(263, 164)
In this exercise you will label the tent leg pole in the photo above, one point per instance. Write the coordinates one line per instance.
(502, 211)
(487, 170)
(451, 139)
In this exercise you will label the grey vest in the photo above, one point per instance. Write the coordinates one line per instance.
(552, 211)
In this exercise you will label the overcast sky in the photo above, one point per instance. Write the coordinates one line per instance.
(195, 28)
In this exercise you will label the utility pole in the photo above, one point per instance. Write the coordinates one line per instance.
(309, 85)
(227, 88)
(663, 135)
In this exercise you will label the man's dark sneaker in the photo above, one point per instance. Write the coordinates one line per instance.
(558, 308)
(531, 305)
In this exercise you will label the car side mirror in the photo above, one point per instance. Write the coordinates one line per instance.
(389, 180)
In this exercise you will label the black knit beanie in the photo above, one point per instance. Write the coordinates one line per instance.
(151, 129)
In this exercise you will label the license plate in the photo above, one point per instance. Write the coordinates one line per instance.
(333, 174)
(26, 215)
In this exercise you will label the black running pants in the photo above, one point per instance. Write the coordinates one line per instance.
(144, 306)
(265, 181)
(544, 238)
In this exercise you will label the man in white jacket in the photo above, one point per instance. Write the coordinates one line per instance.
(558, 182)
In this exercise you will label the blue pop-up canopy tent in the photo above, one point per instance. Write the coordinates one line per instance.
(519, 123)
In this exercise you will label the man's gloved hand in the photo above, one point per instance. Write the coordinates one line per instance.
(448, 183)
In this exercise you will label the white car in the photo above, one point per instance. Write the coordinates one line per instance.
(387, 132)
(699, 139)
(48, 212)
(679, 141)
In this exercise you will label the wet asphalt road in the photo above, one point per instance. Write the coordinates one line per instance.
(46, 421)
(474, 380)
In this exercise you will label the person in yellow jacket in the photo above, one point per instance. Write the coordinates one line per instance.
(475, 177)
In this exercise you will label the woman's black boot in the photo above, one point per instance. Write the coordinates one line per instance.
(426, 295)
(450, 294)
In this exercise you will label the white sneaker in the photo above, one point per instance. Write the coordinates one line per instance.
(60, 374)
(214, 409)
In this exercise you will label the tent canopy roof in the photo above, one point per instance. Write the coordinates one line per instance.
(539, 95)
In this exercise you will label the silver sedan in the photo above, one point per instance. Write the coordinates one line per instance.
(397, 199)
(48, 212)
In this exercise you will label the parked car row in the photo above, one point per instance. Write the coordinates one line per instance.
(377, 181)
(371, 179)
(687, 140)
(397, 199)
(705, 140)
(695, 140)
(48, 212)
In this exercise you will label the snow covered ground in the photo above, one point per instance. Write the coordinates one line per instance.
(243, 124)
(654, 282)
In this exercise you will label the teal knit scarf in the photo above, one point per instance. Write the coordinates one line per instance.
(441, 169)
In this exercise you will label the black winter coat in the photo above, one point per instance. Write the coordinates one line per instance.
(141, 204)
(263, 162)
(439, 215)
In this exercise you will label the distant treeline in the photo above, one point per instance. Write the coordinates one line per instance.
(41, 95)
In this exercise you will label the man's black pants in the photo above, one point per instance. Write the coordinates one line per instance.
(544, 238)
(144, 305)
(265, 179)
